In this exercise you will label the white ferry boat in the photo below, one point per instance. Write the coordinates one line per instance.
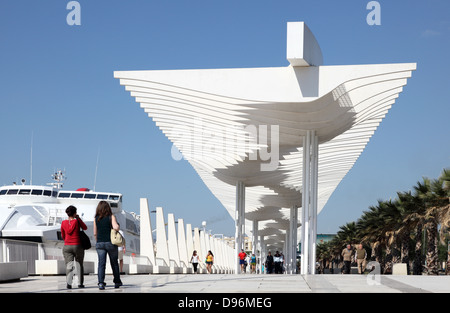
(31, 213)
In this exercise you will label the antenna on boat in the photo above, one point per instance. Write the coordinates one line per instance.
(58, 177)
(31, 160)
(96, 168)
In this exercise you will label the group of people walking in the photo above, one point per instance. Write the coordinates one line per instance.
(274, 263)
(73, 250)
(209, 261)
(359, 255)
(246, 259)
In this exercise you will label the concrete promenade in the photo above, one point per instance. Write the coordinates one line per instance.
(237, 284)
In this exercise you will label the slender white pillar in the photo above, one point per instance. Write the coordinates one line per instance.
(197, 245)
(313, 207)
(172, 242)
(161, 239)
(294, 237)
(146, 238)
(262, 259)
(305, 203)
(292, 248)
(239, 222)
(182, 247)
(255, 237)
(204, 251)
(189, 242)
(309, 202)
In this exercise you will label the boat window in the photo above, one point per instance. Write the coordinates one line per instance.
(89, 195)
(47, 193)
(102, 196)
(24, 191)
(54, 194)
(131, 226)
(77, 195)
(3, 192)
(36, 192)
(13, 191)
(64, 195)
(113, 197)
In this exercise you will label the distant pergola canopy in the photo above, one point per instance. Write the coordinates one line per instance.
(250, 126)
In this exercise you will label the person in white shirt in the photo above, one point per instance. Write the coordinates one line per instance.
(194, 261)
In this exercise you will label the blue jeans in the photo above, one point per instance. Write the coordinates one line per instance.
(104, 248)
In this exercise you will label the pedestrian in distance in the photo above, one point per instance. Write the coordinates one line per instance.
(269, 263)
(242, 256)
(209, 261)
(246, 263)
(347, 254)
(194, 261)
(253, 263)
(103, 223)
(73, 251)
(361, 256)
(277, 260)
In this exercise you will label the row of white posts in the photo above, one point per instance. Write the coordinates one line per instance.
(175, 247)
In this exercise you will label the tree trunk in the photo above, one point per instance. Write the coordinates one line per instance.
(447, 267)
(405, 251)
(388, 260)
(417, 266)
(432, 267)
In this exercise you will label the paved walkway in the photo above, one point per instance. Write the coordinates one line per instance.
(237, 284)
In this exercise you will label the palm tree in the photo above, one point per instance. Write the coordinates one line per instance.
(413, 225)
(346, 235)
(390, 225)
(369, 231)
(424, 194)
(324, 254)
(442, 189)
(391, 217)
(435, 199)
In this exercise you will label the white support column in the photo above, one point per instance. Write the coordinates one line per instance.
(197, 245)
(286, 254)
(182, 247)
(309, 202)
(161, 239)
(255, 237)
(172, 242)
(239, 222)
(146, 238)
(203, 252)
(189, 242)
(305, 203)
(313, 208)
(263, 254)
(294, 238)
(292, 248)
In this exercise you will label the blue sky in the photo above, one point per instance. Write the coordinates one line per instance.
(57, 82)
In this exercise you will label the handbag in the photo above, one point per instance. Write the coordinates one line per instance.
(116, 238)
(85, 241)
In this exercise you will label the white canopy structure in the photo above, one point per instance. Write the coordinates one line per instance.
(270, 141)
